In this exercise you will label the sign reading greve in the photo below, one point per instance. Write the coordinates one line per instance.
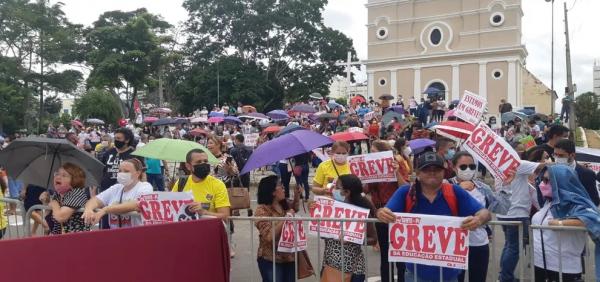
(327, 208)
(471, 107)
(374, 167)
(289, 232)
(251, 139)
(430, 240)
(492, 151)
(163, 207)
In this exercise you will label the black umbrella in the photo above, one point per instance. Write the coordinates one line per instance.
(170, 121)
(386, 97)
(34, 159)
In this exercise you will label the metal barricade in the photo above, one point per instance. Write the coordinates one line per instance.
(15, 225)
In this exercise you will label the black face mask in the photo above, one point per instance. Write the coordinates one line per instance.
(201, 170)
(119, 144)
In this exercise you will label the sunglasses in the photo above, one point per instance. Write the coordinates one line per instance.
(464, 167)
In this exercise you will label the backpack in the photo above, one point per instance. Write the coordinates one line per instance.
(447, 193)
(181, 183)
(240, 155)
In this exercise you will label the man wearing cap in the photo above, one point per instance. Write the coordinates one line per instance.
(428, 199)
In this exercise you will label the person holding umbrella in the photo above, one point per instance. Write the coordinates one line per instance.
(330, 170)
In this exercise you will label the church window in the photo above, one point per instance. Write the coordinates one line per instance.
(435, 37)
(382, 33)
(497, 74)
(497, 19)
(382, 81)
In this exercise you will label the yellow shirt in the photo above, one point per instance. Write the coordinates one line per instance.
(327, 173)
(210, 192)
(3, 217)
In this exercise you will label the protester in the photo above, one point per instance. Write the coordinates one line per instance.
(154, 172)
(300, 170)
(446, 148)
(241, 153)
(564, 153)
(425, 193)
(3, 217)
(272, 202)
(69, 196)
(504, 107)
(348, 189)
(554, 134)
(121, 198)
(329, 171)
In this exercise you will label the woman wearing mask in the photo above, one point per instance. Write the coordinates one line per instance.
(71, 195)
(402, 156)
(226, 170)
(273, 203)
(561, 189)
(349, 190)
(329, 171)
(120, 198)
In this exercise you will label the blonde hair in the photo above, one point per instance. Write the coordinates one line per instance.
(138, 166)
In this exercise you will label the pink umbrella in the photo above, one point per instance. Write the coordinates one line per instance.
(215, 120)
(150, 119)
(455, 130)
(449, 113)
(76, 123)
(199, 120)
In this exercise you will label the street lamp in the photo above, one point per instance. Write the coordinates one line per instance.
(552, 93)
(218, 74)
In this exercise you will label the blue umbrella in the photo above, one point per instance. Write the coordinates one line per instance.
(304, 108)
(232, 119)
(527, 111)
(508, 116)
(283, 147)
(289, 129)
(333, 105)
(278, 114)
(216, 114)
(419, 145)
(169, 121)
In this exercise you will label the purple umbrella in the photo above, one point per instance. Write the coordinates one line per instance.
(254, 116)
(278, 114)
(418, 145)
(216, 114)
(284, 147)
(398, 109)
(304, 108)
(232, 119)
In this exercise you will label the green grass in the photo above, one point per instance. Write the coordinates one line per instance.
(578, 139)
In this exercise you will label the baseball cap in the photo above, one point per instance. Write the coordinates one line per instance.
(429, 159)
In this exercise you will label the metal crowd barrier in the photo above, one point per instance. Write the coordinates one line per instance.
(14, 230)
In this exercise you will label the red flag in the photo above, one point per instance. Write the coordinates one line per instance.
(136, 106)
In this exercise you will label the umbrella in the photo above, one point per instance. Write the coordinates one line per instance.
(94, 121)
(232, 119)
(349, 136)
(387, 118)
(358, 99)
(198, 131)
(433, 91)
(398, 109)
(248, 109)
(160, 111)
(508, 116)
(254, 116)
(284, 147)
(333, 105)
(541, 116)
(587, 155)
(290, 128)
(169, 121)
(527, 112)
(272, 129)
(199, 120)
(76, 123)
(216, 114)
(455, 130)
(449, 113)
(386, 97)
(304, 108)
(418, 145)
(278, 114)
(216, 119)
(34, 159)
(326, 116)
(150, 119)
(173, 150)
(315, 96)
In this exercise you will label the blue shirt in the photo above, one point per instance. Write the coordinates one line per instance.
(153, 166)
(467, 206)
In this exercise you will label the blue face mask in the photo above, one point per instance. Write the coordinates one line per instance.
(337, 195)
(450, 154)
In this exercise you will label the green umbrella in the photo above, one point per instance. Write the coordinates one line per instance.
(173, 150)
(387, 118)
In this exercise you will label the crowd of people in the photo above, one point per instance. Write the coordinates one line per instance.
(549, 187)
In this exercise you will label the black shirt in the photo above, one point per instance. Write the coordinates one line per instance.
(111, 160)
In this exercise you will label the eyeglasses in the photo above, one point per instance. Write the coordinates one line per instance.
(470, 166)
(64, 175)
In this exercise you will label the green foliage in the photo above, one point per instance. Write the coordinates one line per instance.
(97, 104)
(64, 119)
(342, 101)
(587, 111)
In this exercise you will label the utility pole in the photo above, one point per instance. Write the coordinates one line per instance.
(570, 89)
(160, 86)
(552, 66)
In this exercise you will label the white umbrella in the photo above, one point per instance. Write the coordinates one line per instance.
(94, 121)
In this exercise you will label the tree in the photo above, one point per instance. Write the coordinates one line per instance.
(124, 50)
(98, 104)
(588, 113)
(287, 40)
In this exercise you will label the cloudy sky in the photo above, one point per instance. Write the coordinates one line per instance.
(350, 16)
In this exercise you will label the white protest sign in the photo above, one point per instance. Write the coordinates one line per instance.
(320, 154)
(163, 207)
(287, 240)
(492, 151)
(471, 107)
(374, 167)
(327, 208)
(251, 139)
(356, 129)
(430, 240)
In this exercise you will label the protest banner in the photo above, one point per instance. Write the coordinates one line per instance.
(492, 151)
(287, 240)
(430, 240)
(328, 208)
(251, 139)
(163, 207)
(593, 166)
(471, 107)
(374, 167)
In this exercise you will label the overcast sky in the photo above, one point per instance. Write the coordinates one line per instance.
(350, 17)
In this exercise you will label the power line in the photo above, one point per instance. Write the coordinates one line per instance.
(572, 6)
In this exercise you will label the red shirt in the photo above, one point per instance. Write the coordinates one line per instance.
(381, 192)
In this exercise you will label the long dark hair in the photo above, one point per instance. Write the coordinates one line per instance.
(266, 187)
(352, 183)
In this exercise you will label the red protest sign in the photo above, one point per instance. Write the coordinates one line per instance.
(471, 107)
(429, 239)
(327, 208)
(287, 240)
(163, 207)
(374, 167)
(492, 151)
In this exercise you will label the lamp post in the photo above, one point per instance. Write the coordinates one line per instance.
(552, 93)
(218, 73)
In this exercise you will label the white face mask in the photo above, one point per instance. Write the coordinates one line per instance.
(561, 160)
(340, 158)
(124, 178)
(465, 175)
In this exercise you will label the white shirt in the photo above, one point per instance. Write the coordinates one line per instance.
(112, 195)
(520, 199)
(572, 245)
(479, 236)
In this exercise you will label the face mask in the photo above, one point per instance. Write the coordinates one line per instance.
(546, 189)
(337, 195)
(450, 154)
(466, 174)
(62, 189)
(340, 158)
(561, 160)
(119, 144)
(124, 178)
(201, 170)
(104, 143)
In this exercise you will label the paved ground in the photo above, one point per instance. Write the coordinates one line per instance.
(593, 138)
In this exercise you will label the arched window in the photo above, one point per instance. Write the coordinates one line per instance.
(436, 89)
